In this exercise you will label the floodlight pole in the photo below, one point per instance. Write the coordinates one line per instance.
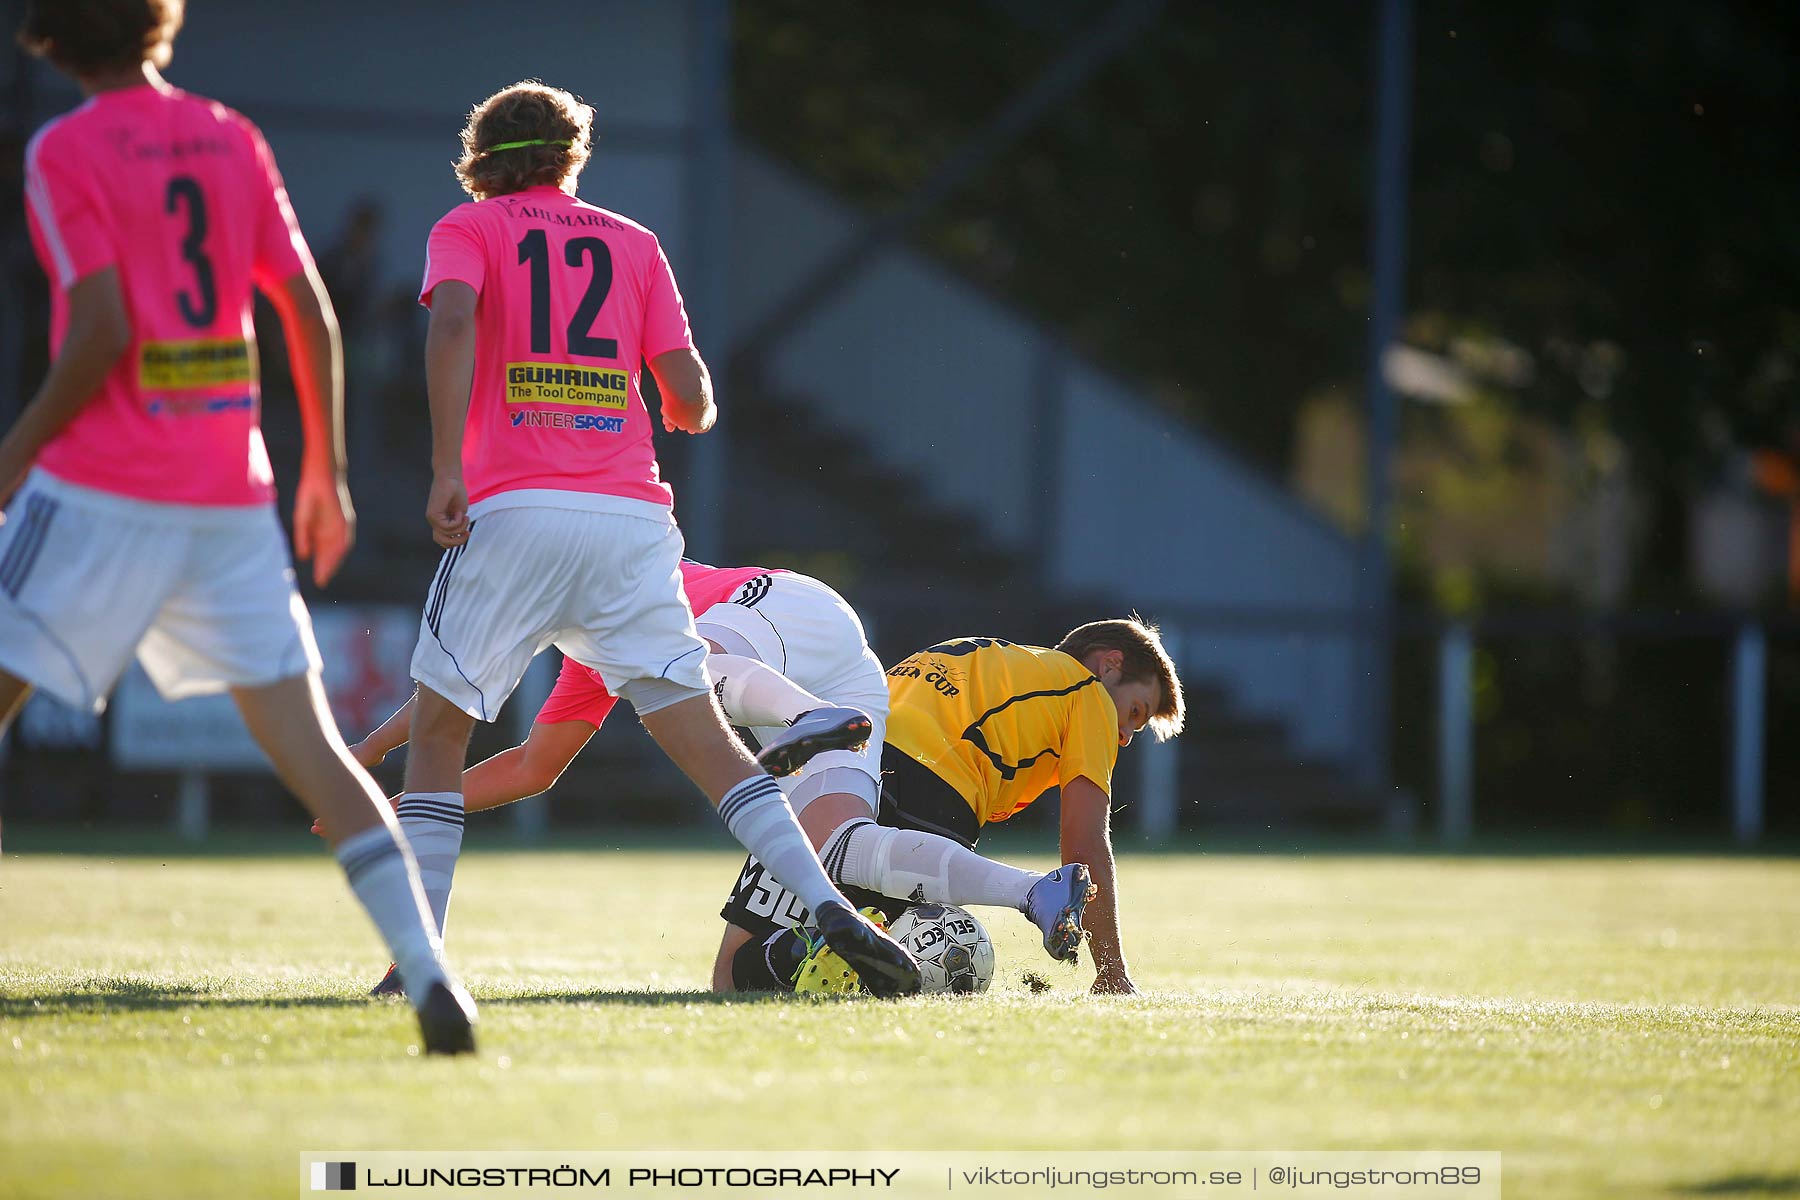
(1387, 260)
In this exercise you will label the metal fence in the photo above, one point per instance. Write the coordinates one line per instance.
(1743, 690)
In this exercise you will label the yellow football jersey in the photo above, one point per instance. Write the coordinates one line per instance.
(1002, 723)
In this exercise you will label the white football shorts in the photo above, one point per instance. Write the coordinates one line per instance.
(203, 594)
(805, 630)
(604, 587)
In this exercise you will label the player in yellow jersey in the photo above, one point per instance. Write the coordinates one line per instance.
(978, 729)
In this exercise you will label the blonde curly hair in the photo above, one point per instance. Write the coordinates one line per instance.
(528, 111)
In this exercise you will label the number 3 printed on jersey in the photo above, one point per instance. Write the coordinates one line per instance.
(534, 250)
(200, 307)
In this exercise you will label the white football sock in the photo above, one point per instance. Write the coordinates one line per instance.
(909, 865)
(386, 881)
(754, 693)
(758, 816)
(433, 823)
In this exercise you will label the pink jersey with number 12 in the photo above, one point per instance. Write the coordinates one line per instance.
(571, 299)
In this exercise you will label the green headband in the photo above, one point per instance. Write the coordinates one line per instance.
(532, 142)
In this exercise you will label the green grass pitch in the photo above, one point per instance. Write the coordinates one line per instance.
(186, 1026)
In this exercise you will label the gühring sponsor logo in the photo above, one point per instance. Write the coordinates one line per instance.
(560, 383)
(196, 363)
(334, 1177)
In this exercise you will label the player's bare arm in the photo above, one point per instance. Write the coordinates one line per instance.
(687, 394)
(528, 769)
(518, 773)
(386, 738)
(449, 373)
(324, 520)
(99, 333)
(514, 774)
(1087, 838)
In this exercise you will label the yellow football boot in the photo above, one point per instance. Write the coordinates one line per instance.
(823, 972)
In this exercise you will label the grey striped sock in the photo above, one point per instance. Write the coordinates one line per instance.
(433, 823)
(758, 816)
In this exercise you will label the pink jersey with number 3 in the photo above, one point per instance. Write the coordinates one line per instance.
(571, 300)
(181, 197)
(581, 695)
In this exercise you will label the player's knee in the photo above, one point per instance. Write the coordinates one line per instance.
(440, 724)
(824, 816)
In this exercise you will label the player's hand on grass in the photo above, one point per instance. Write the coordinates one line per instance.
(324, 522)
(1114, 982)
(447, 512)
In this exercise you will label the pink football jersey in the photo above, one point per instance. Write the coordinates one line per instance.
(581, 695)
(572, 300)
(181, 196)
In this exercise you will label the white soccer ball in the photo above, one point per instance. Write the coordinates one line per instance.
(954, 951)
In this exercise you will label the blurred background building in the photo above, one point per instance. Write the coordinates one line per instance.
(1025, 313)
